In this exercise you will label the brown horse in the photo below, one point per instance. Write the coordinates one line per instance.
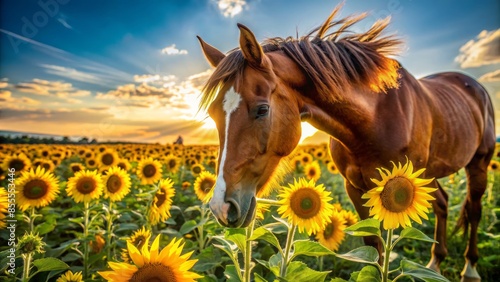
(376, 112)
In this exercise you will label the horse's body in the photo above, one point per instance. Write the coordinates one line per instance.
(258, 96)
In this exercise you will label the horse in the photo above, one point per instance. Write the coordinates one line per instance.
(348, 85)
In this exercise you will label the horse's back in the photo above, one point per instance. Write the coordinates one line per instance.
(463, 118)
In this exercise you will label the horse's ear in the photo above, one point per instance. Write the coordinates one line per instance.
(250, 47)
(213, 55)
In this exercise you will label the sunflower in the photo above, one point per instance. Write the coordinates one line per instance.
(149, 171)
(70, 277)
(306, 205)
(306, 158)
(19, 162)
(162, 202)
(116, 184)
(494, 166)
(196, 169)
(76, 167)
(312, 171)
(261, 209)
(332, 168)
(85, 186)
(333, 233)
(139, 237)
(203, 186)
(36, 188)
(91, 163)
(151, 264)
(4, 203)
(107, 159)
(98, 244)
(399, 196)
(47, 164)
(350, 217)
(173, 163)
(124, 164)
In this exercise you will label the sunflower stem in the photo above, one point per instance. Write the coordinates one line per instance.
(32, 219)
(109, 227)
(85, 243)
(288, 247)
(27, 266)
(248, 252)
(387, 252)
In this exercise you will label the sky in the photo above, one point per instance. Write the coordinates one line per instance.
(133, 70)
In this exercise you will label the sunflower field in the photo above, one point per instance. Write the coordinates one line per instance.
(132, 212)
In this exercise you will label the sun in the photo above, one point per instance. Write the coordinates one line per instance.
(208, 123)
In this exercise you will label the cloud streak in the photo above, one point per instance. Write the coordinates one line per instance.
(484, 50)
(493, 76)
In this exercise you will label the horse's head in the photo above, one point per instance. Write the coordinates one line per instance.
(258, 122)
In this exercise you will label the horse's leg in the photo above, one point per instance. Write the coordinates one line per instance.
(363, 212)
(477, 174)
(440, 206)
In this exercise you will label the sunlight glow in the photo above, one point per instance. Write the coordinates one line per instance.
(307, 131)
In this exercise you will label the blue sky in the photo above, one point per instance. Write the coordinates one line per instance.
(132, 70)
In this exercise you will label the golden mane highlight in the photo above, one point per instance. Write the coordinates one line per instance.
(336, 61)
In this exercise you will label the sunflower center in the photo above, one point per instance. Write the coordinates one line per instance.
(160, 199)
(397, 195)
(305, 203)
(86, 185)
(114, 183)
(139, 242)
(494, 166)
(196, 169)
(206, 185)
(149, 170)
(108, 159)
(35, 189)
(328, 232)
(172, 163)
(18, 165)
(91, 162)
(154, 272)
(75, 168)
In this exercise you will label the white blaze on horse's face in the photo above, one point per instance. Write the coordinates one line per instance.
(218, 204)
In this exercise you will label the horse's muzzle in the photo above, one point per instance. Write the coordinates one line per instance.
(233, 214)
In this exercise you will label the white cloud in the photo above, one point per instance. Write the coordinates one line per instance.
(231, 8)
(171, 50)
(73, 74)
(484, 50)
(493, 76)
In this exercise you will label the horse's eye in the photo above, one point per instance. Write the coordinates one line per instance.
(262, 111)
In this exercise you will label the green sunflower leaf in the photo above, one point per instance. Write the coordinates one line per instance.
(232, 274)
(266, 235)
(413, 233)
(367, 227)
(364, 254)
(310, 248)
(369, 273)
(298, 271)
(237, 236)
(49, 264)
(421, 272)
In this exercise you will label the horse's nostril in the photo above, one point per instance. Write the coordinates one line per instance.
(233, 213)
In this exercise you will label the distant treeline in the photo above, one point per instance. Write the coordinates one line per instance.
(25, 139)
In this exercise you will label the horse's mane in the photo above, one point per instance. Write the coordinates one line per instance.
(335, 61)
